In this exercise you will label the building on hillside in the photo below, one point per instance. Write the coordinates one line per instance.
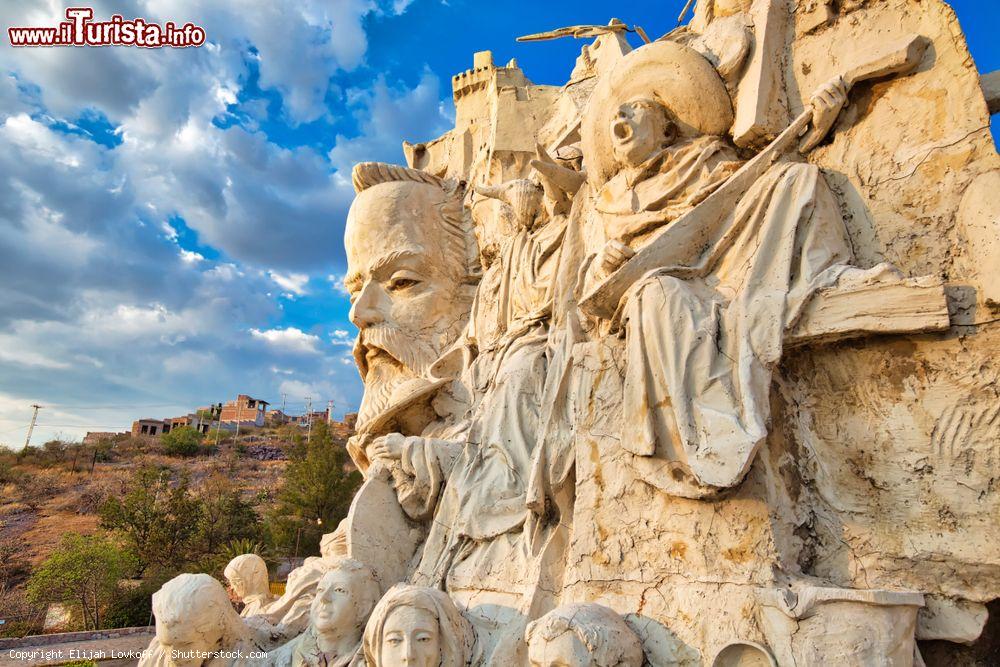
(245, 410)
(351, 419)
(147, 427)
(193, 420)
(96, 437)
(313, 417)
(276, 418)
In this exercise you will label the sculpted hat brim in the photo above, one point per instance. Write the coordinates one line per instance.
(676, 76)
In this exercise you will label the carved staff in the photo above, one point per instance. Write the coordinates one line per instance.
(689, 246)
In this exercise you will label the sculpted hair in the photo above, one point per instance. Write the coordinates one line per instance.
(459, 234)
(456, 637)
(200, 600)
(250, 566)
(608, 639)
(367, 586)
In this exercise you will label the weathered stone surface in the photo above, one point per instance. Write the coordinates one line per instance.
(691, 360)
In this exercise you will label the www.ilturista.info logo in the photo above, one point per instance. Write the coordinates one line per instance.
(81, 30)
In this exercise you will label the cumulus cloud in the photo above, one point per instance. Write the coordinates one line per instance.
(146, 215)
(289, 339)
(294, 283)
(386, 116)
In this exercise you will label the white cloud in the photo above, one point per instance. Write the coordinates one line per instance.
(294, 283)
(388, 115)
(337, 281)
(342, 338)
(191, 257)
(289, 339)
(91, 273)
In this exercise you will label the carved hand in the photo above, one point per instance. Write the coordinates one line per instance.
(387, 448)
(827, 103)
(615, 254)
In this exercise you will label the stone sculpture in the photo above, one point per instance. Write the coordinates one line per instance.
(420, 627)
(429, 275)
(344, 599)
(705, 336)
(196, 625)
(247, 577)
(288, 616)
(582, 635)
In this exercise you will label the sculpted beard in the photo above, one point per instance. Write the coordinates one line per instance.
(388, 357)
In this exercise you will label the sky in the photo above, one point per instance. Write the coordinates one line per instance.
(171, 220)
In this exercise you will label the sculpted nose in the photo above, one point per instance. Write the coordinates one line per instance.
(367, 308)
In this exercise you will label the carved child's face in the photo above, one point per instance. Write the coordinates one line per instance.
(238, 585)
(336, 602)
(411, 637)
(183, 638)
(638, 130)
(565, 650)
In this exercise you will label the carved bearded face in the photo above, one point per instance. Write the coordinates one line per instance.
(638, 130)
(408, 283)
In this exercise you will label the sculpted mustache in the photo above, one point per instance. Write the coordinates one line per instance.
(407, 351)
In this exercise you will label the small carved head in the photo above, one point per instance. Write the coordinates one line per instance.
(193, 614)
(344, 599)
(582, 635)
(417, 627)
(247, 576)
(641, 127)
(412, 270)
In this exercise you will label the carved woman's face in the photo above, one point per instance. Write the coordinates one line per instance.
(411, 638)
(335, 606)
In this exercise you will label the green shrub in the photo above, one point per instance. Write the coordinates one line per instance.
(183, 441)
(83, 572)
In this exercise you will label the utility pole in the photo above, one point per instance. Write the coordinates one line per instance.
(282, 402)
(239, 413)
(329, 412)
(31, 426)
(309, 416)
(218, 424)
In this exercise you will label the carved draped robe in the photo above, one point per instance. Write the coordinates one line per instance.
(700, 350)
(477, 513)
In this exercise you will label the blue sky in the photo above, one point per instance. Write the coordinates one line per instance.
(171, 220)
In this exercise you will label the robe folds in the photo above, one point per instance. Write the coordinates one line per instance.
(700, 351)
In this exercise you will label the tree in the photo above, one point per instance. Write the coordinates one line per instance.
(158, 521)
(316, 493)
(182, 441)
(83, 571)
(225, 515)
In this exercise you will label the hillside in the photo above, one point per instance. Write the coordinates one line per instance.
(230, 489)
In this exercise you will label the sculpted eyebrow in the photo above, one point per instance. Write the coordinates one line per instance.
(391, 257)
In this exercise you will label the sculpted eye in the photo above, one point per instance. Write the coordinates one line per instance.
(401, 283)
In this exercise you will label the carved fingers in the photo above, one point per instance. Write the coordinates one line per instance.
(387, 448)
(827, 103)
(615, 254)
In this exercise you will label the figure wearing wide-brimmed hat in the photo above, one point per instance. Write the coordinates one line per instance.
(702, 334)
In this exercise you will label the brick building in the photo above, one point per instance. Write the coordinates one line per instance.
(245, 410)
(147, 427)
